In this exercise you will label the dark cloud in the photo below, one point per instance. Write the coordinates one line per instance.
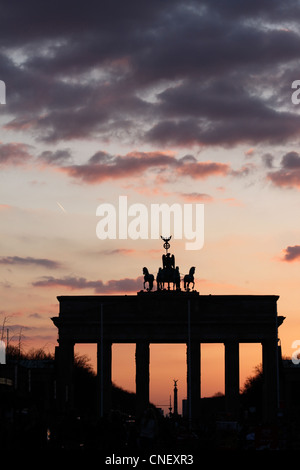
(118, 251)
(291, 253)
(75, 283)
(74, 72)
(102, 166)
(53, 20)
(35, 315)
(14, 154)
(29, 261)
(271, 10)
(288, 176)
(59, 157)
(268, 160)
(291, 161)
(227, 132)
(219, 112)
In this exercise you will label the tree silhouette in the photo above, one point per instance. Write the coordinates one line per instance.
(251, 394)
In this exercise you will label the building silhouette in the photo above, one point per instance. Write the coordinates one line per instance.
(66, 415)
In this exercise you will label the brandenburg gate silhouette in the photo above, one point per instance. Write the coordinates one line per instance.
(169, 315)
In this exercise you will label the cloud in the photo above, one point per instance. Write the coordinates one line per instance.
(232, 201)
(29, 261)
(197, 197)
(267, 126)
(43, 23)
(118, 251)
(59, 157)
(271, 10)
(291, 253)
(268, 160)
(245, 170)
(202, 170)
(249, 153)
(14, 154)
(35, 315)
(171, 72)
(288, 176)
(103, 166)
(100, 287)
(291, 161)
(218, 111)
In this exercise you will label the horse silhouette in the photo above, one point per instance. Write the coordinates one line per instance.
(148, 278)
(189, 278)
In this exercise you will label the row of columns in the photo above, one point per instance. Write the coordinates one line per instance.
(142, 359)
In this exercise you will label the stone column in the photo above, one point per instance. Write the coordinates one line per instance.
(270, 381)
(193, 380)
(64, 354)
(104, 356)
(142, 359)
(232, 378)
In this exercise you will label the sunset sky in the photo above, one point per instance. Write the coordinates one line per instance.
(162, 101)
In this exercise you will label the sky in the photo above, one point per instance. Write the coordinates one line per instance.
(172, 101)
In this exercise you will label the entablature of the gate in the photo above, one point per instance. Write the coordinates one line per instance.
(167, 317)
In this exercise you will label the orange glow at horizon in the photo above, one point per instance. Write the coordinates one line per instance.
(168, 362)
